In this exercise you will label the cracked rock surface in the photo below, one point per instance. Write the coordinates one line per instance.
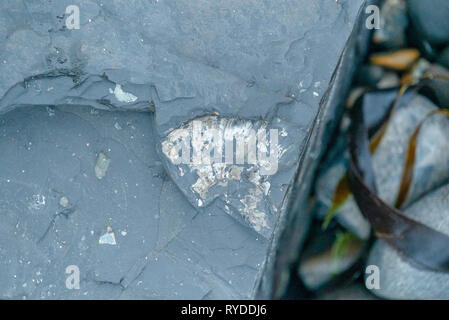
(84, 183)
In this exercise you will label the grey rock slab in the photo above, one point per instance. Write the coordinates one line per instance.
(258, 62)
(242, 59)
(131, 226)
(50, 154)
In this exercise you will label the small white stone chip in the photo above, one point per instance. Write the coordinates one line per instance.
(121, 95)
(108, 238)
(64, 202)
(102, 165)
(117, 126)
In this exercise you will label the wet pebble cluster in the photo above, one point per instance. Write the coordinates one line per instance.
(410, 47)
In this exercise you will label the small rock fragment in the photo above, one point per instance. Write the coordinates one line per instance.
(121, 95)
(64, 202)
(389, 80)
(108, 237)
(102, 165)
(38, 202)
(399, 60)
(117, 126)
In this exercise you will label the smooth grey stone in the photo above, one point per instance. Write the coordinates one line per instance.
(399, 279)
(389, 80)
(393, 25)
(429, 19)
(369, 75)
(437, 86)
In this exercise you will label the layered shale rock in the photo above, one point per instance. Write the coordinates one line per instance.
(86, 184)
